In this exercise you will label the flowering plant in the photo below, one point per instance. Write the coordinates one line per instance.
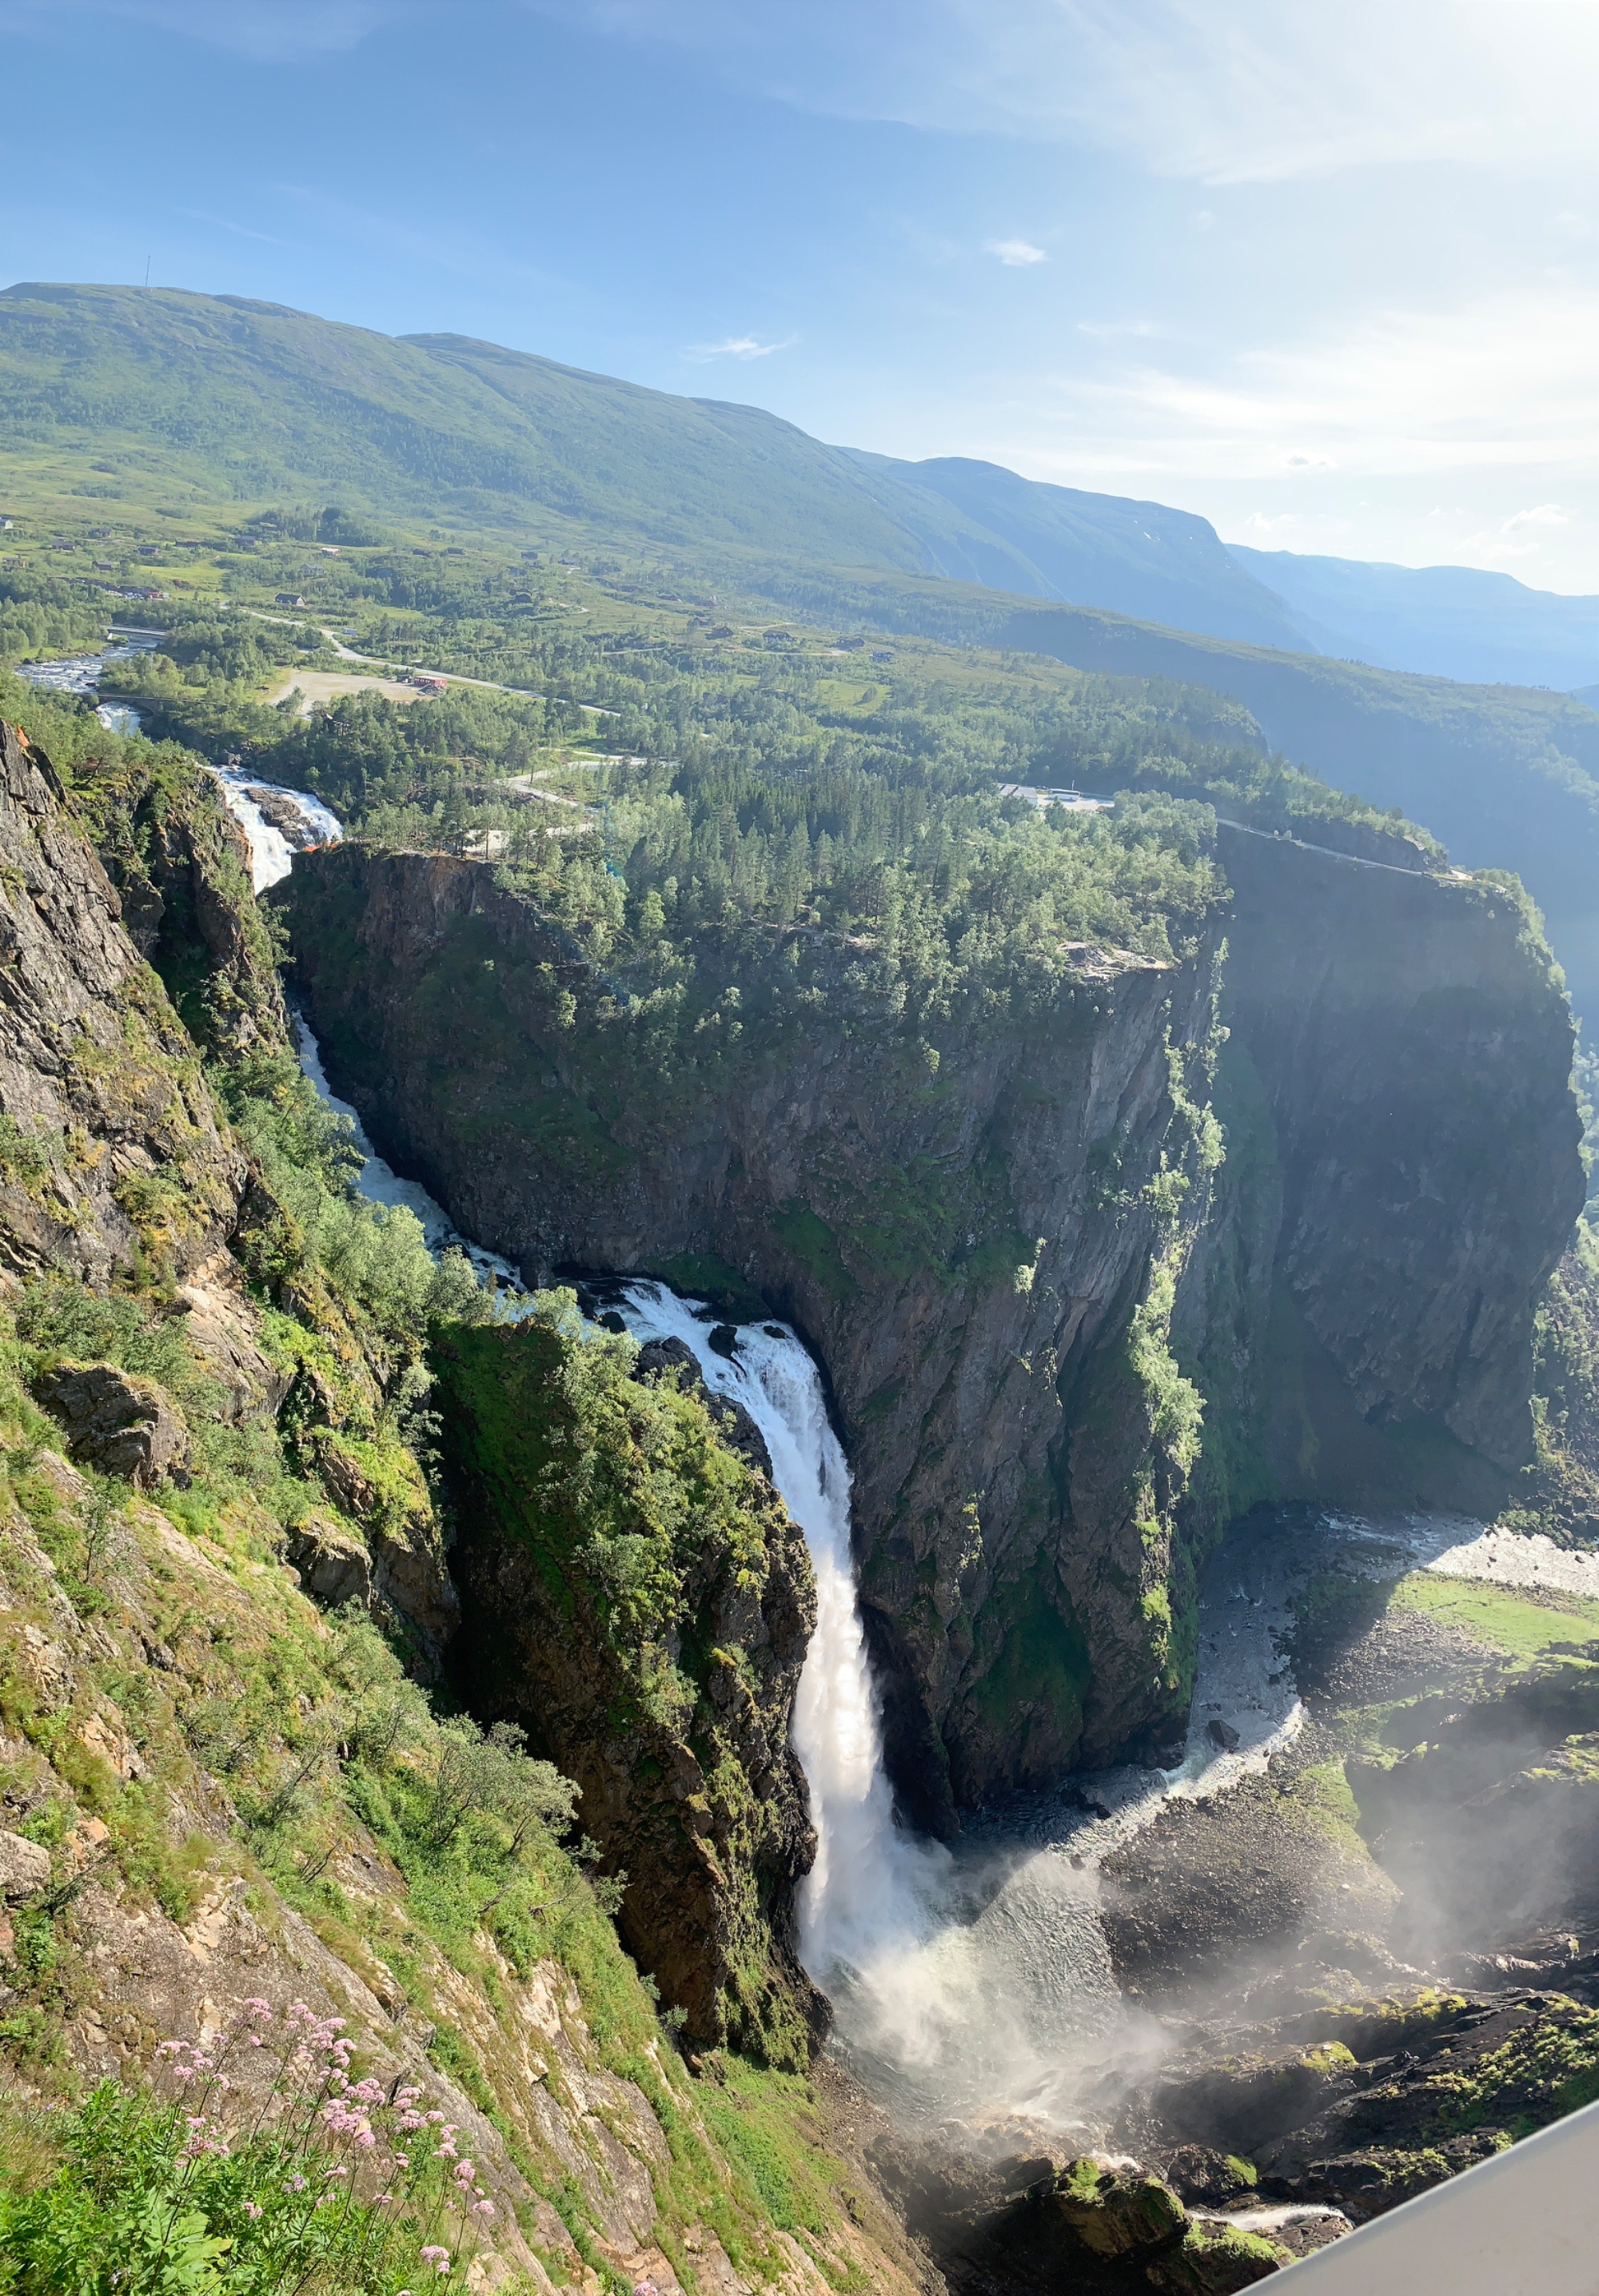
(266, 2172)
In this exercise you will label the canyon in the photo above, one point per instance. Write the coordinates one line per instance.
(1303, 1196)
(1253, 1235)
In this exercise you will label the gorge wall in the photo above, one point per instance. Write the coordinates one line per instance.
(1066, 1335)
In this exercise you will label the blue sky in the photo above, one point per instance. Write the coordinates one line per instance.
(1329, 275)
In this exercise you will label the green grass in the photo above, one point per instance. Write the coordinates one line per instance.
(1522, 1627)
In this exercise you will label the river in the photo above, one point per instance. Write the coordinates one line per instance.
(83, 675)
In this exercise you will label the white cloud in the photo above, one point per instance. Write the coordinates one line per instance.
(1108, 330)
(1224, 91)
(1015, 253)
(737, 347)
(1499, 383)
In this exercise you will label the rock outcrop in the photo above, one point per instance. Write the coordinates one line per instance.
(119, 1423)
(637, 1599)
(110, 1147)
(1062, 1343)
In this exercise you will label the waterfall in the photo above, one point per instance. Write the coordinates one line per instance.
(271, 853)
(958, 1981)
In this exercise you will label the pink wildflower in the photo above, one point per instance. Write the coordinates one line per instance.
(253, 2210)
(483, 2208)
(438, 2258)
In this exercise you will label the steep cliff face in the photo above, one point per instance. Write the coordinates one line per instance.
(1402, 1153)
(967, 1237)
(1004, 1244)
(110, 1147)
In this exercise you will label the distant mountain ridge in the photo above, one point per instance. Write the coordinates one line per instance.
(1437, 621)
(194, 389)
(1108, 551)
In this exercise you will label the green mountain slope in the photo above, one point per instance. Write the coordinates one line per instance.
(203, 391)
(213, 398)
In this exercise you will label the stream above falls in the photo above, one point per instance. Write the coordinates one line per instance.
(974, 1981)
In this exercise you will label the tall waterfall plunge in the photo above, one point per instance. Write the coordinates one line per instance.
(958, 1982)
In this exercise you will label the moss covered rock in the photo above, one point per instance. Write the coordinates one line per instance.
(1117, 2210)
(635, 1597)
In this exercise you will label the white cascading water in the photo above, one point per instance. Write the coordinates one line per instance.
(957, 1983)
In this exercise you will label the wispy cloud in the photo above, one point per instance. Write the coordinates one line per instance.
(1224, 91)
(1492, 386)
(1015, 254)
(736, 347)
(1520, 537)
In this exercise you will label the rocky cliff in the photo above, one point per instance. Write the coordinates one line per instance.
(638, 1598)
(1052, 1314)
(221, 1784)
(1402, 1174)
(967, 1238)
(110, 1147)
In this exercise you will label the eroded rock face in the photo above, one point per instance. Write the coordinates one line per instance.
(333, 1565)
(115, 1421)
(1415, 1055)
(112, 1145)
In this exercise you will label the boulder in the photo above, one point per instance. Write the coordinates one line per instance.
(114, 1420)
(1117, 2209)
(1213, 2179)
(24, 1866)
(1215, 2260)
(333, 1565)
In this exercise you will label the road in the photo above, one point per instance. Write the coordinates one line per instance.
(450, 676)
